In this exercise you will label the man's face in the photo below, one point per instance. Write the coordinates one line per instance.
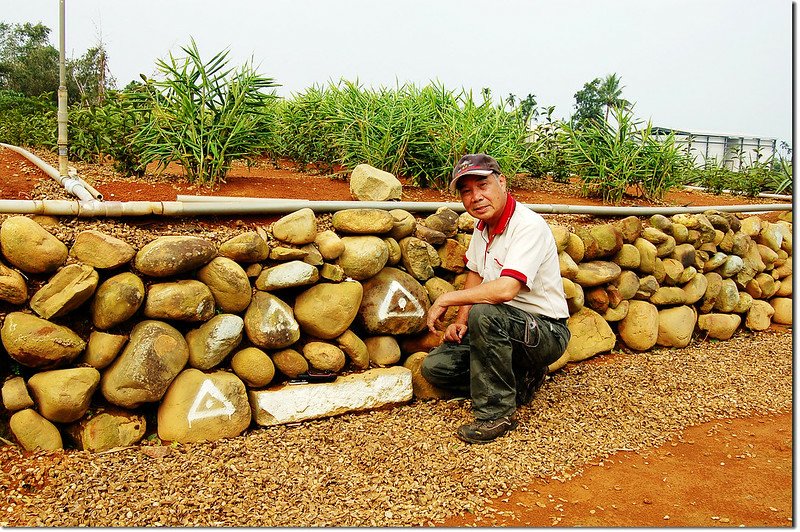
(484, 197)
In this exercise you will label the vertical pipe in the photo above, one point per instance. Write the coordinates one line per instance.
(62, 95)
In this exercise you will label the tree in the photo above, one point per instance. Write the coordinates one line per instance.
(89, 76)
(588, 104)
(527, 107)
(611, 94)
(28, 63)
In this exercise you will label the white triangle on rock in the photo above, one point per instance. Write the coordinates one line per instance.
(397, 297)
(209, 402)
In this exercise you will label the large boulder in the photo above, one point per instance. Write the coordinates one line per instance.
(299, 227)
(675, 326)
(270, 323)
(68, 289)
(116, 300)
(368, 183)
(326, 310)
(246, 247)
(172, 255)
(362, 221)
(107, 428)
(228, 283)
(393, 303)
(155, 354)
(719, 326)
(29, 247)
(210, 343)
(34, 432)
(63, 395)
(759, 317)
(187, 300)
(100, 250)
(639, 329)
(591, 335)
(39, 343)
(253, 366)
(423, 389)
(363, 256)
(596, 272)
(203, 407)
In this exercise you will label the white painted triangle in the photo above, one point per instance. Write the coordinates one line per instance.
(209, 402)
(399, 303)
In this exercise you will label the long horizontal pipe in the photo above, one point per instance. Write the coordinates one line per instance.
(72, 185)
(88, 209)
(766, 195)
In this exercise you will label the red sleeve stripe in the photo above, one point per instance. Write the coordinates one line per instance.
(514, 274)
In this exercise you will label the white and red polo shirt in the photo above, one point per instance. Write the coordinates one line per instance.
(521, 246)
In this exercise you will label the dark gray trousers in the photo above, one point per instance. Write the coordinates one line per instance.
(504, 349)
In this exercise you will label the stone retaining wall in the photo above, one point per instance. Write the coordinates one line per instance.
(101, 338)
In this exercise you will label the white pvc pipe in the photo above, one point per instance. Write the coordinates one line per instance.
(72, 185)
(256, 207)
(761, 195)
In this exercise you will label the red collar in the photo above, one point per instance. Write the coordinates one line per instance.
(508, 211)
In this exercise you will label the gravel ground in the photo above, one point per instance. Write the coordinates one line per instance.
(402, 466)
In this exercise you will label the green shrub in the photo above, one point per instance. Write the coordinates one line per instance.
(204, 115)
(27, 121)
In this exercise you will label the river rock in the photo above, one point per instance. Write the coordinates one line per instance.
(395, 253)
(600, 241)
(363, 256)
(102, 348)
(172, 255)
(68, 289)
(354, 348)
(444, 220)
(451, 254)
(270, 323)
(329, 244)
(16, 396)
(630, 227)
(228, 283)
(428, 235)
(393, 303)
(719, 326)
(153, 357)
(596, 272)
(785, 287)
(290, 362)
(100, 250)
(728, 296)
(287, 275)
(362, 221)
(210, 343)
(368, 183)
(751, 226)
(685, 254)
(591, 334)
(560, 235)
(627, 257)
(647, 255)
(423, 390)
(575, 247)
(13, 288)
(253, 366)
(770, 236)
(281, 254)
(299, 227)
(332, 272)
(246, 247)
(34, 432)
(117, 300)
(783, 310)
(187, 300)
(695, 289)
(326, 310)
(639, 329)
(203, 407)
(673, 270)
(324, 356)
(613, 314)
(63, 395)
(416, 258)
(403, 224)
(627, 284)
(668, 295)
(675, 326)
(596, 298)
(383, 350)
(733, 264)
(567, 266)
(38, 343)
(29, 247)
(108, 428)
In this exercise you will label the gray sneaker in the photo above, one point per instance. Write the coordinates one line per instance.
(486, 431)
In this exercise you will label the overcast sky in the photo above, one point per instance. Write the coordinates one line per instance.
(701, 65)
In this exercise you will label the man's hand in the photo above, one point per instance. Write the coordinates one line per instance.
(455, 332)
(436, 311)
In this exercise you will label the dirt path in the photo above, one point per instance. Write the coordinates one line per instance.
(724, 473)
